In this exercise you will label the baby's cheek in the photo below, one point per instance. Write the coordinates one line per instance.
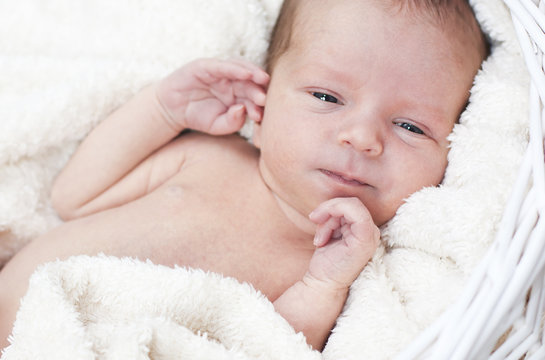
(433, 167)
(438, 172)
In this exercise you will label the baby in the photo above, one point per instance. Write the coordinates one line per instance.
(354, 119)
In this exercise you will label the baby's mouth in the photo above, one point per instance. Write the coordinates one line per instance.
(343, 179)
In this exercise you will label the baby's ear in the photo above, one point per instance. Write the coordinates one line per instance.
(256, 134)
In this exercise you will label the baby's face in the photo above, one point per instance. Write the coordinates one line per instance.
(361, 105)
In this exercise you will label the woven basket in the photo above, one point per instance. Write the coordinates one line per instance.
(500, 314)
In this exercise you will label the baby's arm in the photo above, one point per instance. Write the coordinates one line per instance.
(113, 165)
(346, 239)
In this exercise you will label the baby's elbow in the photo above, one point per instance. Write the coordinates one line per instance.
(61, 203)
(65, 214)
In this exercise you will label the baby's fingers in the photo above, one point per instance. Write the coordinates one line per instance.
(356, 221)
(259, 76)
(327, 230)
(351, 209)
(229, 122)
(212, 70)
(249, 90)
(255, 113)
(247, 93)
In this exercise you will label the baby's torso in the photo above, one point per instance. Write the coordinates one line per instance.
(215, 214)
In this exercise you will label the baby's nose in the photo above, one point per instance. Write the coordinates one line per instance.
(362, 136)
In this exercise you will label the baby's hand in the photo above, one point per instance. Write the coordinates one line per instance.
(213, 96)
(346, 239)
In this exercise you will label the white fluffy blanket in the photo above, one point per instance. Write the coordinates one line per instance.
(97, 308)
(65, 64)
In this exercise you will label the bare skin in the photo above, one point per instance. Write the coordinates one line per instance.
(337, 152)
(188, 203)
(167, 225)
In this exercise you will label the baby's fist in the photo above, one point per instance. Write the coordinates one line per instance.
(213, 96)
(346, 238)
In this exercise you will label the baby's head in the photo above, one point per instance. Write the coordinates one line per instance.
(453, 17)
(363, 95)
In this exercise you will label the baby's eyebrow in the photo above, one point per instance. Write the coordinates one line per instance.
(332, 72)
(425, 108)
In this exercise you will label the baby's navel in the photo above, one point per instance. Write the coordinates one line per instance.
(174, 190)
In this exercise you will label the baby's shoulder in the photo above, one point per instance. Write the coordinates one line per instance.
(196, 157)
(199, 145)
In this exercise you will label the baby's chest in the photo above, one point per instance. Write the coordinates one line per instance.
(217, 227)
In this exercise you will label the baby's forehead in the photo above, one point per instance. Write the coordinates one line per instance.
(454, 17)
(314, 19)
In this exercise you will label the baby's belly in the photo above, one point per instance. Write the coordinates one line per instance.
(167, 227)
(173, 226)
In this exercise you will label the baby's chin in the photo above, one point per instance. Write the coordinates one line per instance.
(382, 216)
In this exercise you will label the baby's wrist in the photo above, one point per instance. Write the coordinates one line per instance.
(325, 286)
(161, 101)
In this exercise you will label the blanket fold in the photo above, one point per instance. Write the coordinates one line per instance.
(109, 308)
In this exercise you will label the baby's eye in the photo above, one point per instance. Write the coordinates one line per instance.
(325, 97)
(410, 127)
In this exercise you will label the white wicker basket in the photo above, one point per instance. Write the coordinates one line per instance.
(500, 314)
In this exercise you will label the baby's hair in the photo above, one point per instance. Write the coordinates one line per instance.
(439, 12)
(282, 33)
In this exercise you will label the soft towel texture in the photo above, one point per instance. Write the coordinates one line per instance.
(65, 65)
(96, 306)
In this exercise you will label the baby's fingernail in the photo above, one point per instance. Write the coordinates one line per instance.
(261, 99)
(316, 241)
(262, 78)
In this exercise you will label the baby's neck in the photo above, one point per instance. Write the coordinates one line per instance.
(300, 221)
(297, 219)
